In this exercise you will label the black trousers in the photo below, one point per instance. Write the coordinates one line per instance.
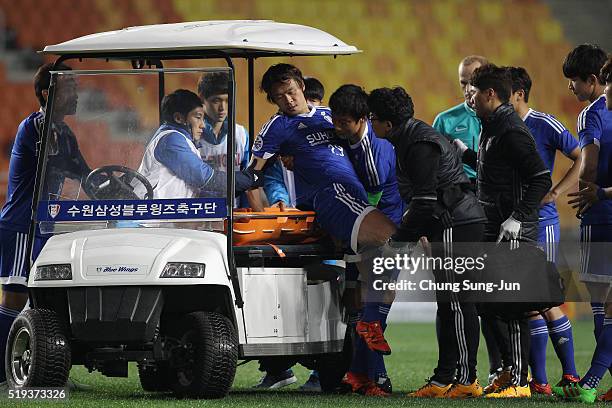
(459, 329)
(507, 340)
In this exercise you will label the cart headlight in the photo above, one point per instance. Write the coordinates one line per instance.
(53, 272)
(183, 270)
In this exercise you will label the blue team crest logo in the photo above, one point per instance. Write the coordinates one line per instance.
(257, 143)
(54, 209)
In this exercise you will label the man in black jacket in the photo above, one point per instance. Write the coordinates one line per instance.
(442, 208)
(511, 182)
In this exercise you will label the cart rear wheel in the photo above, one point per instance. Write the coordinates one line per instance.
(38, 352)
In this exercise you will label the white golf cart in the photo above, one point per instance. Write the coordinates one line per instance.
(159, 281)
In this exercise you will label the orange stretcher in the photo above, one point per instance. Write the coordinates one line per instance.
(273, 226)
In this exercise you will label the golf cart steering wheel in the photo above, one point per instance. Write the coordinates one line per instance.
(104, 184)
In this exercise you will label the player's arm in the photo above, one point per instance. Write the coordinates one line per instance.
(587, 176)
(520, 150)
(253, 196)
(589, 135)
(174, 152)
(589, 195)
(569, 180)
(77, 168)
(589, 163)
(370, 164)
(274, 185)
(468, 156)
(255, 200)
(422, 162)
(567, 144)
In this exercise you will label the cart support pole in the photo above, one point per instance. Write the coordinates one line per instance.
(251, 75)
(41, 147)
(231, 134)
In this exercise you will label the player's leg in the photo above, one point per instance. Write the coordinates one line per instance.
(591, 261)
(459, 331)
(562, 338)
(344, 212)
(375, 230)
(538, 331)
(277, 372)
(495, 358)
(538, 336)
(357, 376)
(465, 243)
(444, 372)
(519, 353)
(13, 276)
(376, 308)
(586, 389)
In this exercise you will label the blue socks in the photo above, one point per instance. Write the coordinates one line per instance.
(358, 362)
(598, 318)
(371, 361)
(602, 357)
(561, 336)
(537, 350)
(7, 316)
(373, 311)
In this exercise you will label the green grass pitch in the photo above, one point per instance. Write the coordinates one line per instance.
(414, 355)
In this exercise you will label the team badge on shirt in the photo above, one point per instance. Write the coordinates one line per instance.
(257, 143)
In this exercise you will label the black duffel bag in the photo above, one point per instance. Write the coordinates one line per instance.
(530, 282)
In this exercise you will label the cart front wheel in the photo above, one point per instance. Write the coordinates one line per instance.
(204, 357)
(38, 352)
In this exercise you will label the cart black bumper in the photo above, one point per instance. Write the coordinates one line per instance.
(106, 315)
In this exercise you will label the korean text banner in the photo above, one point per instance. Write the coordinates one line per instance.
(104, 210)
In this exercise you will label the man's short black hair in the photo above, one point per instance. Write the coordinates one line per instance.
(350, 100)
(181, 101)
(212, 84)
(42, 79)
(583, 61)
(605, 75)
(493, 77)
(394, 105)
(520, 80)
(280, 73)
(313, 89)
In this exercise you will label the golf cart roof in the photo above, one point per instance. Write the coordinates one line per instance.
(235, 38)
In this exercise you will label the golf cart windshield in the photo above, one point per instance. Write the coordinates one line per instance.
(115, 158)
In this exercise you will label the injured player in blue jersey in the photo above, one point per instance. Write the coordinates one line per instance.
(325, 179)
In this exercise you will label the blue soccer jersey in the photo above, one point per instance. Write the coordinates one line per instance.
(320, 157)
(17, 210)
(64, 160)
(595, 126)
(550, 135)
(374, 161)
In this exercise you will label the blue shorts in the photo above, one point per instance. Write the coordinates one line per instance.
(14, 265)
(548, 237)
(340, 210)
(595, 245)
